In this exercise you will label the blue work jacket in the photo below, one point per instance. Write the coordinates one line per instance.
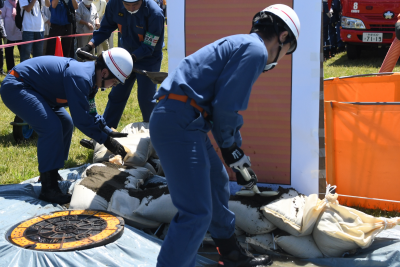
(142, 33)
(219, 77)
(66, 82)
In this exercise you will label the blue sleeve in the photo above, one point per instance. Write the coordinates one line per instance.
(233, 89)
(91, 124)
(107, 26)
(152, 36)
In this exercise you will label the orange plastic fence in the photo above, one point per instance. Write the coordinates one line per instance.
(363, 141)
(385, 88)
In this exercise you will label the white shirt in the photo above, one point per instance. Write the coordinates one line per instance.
(32, 23)
(82, 13)
(101, 7)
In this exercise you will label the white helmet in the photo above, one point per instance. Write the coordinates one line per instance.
(119, 62)
(291, 20)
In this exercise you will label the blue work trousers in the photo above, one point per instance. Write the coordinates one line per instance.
(53, 126)
(36, 47)
(197, 180)
(119, 95)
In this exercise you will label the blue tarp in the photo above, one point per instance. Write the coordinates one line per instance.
(19, 202)
(135, 248)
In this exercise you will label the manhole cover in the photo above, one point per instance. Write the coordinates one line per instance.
(67, 230)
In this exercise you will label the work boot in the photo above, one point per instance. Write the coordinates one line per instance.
(87, 143)
(50, 190)
(233, 255)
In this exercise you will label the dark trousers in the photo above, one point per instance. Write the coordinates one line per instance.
(60, 30)
(10, 54)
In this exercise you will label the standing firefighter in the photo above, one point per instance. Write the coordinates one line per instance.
(205, 93)
(141, 24)
(38, 89)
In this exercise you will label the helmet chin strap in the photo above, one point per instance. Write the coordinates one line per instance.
(103, 81)
(275, 62)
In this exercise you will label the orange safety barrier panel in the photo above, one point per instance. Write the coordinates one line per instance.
(363, 153)
(267, 121)
(385, 88)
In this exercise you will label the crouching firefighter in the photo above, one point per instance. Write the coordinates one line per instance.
(205, 93)
(38, 89)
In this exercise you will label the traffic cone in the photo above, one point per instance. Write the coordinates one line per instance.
(392, 55)
(58, 52)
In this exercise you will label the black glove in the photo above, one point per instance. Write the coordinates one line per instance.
(118, 134)
(133, 58)
(115, 147)
(247, 184)
(87, 48)
(397, 28)
(235, 157)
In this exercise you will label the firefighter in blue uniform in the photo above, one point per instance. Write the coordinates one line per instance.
(326, 19)
(141, 23)
(334, 32)
(205, 92)
(38, 89)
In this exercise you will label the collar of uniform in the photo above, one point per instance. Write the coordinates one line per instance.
(257, 36)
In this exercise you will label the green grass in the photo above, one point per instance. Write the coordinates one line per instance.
(19, 162)
(370, 61)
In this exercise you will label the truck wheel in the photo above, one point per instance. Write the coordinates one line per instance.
(22, 133)
(353, 51)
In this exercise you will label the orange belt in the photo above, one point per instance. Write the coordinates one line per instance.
(15, 74)
(184, 98)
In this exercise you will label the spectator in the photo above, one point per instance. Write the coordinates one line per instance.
(32, 27)
(14, 35)
(46, 18)
(3, 36)
(61, 25)
(101, 8)
(87, 20)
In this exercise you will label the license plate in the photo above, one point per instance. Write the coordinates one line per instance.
(372, 37)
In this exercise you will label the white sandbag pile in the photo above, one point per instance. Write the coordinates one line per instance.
(120, 190)
(138, 141)
(321, 228)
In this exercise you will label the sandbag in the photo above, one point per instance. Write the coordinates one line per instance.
(294, 213)
(157, 206)
(261, 243)
(123, 204)
(340, 230)
(139, 145)
(249, 218)
(140, 128)
(299, 246)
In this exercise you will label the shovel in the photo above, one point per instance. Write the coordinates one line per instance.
(155, 77)
(249, 193)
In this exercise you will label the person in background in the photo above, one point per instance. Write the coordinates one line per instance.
(14, 35)
(336, 21)
(46, 14)
(141, 23)
(326, 18)
(206, 92)
(38, 89)
(101, 8)
(3, 36)
(32, 27)
(61, 20)
(87, 20)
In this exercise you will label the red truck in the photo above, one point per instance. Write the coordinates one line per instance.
(368, 23)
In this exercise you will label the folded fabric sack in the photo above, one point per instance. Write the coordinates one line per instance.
(294, 212)
(106, 186)
(140, 128)
(249, 218)
(340, 230)
(261, 243)
(157, 205)
(299, 246)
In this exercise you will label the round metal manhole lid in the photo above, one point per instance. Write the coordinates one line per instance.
(67, 230)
